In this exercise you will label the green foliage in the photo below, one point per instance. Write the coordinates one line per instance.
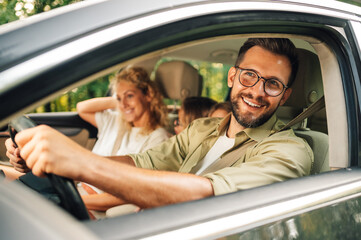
(214, 79)
(67, 102)
(353, 2)
(7, 11)
(11, 10)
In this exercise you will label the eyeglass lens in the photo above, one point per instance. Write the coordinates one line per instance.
(272, 87)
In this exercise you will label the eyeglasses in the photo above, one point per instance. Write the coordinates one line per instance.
(249, 78)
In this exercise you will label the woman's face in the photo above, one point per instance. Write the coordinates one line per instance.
(133, 104)
(179, 124)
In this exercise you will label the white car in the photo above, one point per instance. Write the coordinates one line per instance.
(50, 53)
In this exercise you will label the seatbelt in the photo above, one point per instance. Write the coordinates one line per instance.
(229, 159)
(314, 107)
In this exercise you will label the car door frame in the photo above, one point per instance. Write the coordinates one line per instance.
(191, 215)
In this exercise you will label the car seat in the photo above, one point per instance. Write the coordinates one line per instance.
(178, 80)
(306, 90)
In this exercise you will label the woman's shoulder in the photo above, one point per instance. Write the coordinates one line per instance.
(160, 131)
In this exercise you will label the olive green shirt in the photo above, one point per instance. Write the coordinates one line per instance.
(274, 156)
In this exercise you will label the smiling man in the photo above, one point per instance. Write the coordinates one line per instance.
(211, 156)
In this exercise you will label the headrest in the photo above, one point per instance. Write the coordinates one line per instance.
(307, 87)
(178, 80)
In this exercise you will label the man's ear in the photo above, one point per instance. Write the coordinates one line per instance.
(231, 76)
(285, 96)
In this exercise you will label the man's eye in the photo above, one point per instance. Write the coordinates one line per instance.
(250, 74)
(274, 83)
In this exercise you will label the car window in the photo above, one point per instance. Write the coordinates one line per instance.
(332, 132)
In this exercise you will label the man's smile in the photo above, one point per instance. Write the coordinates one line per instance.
(251, 104)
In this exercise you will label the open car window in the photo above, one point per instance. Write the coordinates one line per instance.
(213, 32)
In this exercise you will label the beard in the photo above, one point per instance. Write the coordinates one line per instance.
(248, 120)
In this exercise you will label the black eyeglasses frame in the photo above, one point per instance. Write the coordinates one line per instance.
(285, 87)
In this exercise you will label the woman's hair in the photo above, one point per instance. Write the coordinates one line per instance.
(226, 106)
(140, 78)
(196, 107)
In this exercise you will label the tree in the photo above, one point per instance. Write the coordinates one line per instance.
(11, 10)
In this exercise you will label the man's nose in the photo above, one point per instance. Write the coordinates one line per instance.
(259, 88)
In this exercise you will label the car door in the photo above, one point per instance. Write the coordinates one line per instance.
(246, 213)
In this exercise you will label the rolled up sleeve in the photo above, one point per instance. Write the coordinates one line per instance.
(167, 156)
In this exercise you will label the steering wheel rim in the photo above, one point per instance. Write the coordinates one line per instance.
(65, 188)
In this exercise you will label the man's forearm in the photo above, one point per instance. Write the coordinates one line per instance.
(122, 159)
(146, 188)
(43, 150)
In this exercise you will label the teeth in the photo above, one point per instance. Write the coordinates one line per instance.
(251, 104)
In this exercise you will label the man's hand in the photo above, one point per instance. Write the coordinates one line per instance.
(46, 150)
(13, 153)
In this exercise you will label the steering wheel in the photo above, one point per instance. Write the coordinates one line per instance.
(60, 190)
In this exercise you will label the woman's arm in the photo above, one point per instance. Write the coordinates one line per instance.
(101, 202)
(87, 109)
(10, 172)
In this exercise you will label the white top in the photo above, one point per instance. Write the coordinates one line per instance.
(222, 144)
(131, 142)
(134, 142)
(108, 128)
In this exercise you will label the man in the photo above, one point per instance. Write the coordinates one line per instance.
(210, 157)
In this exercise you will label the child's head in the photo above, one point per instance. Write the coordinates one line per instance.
(220, 109)
(191, 109)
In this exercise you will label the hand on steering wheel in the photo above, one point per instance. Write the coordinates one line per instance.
(69, 198)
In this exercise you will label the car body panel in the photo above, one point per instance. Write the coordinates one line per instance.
(235, 212)
(25, 215)
(122, 33)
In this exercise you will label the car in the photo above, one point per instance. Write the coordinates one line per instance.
(57, 51)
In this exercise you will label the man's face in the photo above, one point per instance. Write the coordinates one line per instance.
(251, 106)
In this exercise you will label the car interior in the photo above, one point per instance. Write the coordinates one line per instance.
(318, 76)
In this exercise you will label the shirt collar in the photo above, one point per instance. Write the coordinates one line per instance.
(258, 133)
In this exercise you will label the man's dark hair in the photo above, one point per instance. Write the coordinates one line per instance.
(281, 46)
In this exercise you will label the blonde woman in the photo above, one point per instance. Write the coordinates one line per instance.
(131, 121)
